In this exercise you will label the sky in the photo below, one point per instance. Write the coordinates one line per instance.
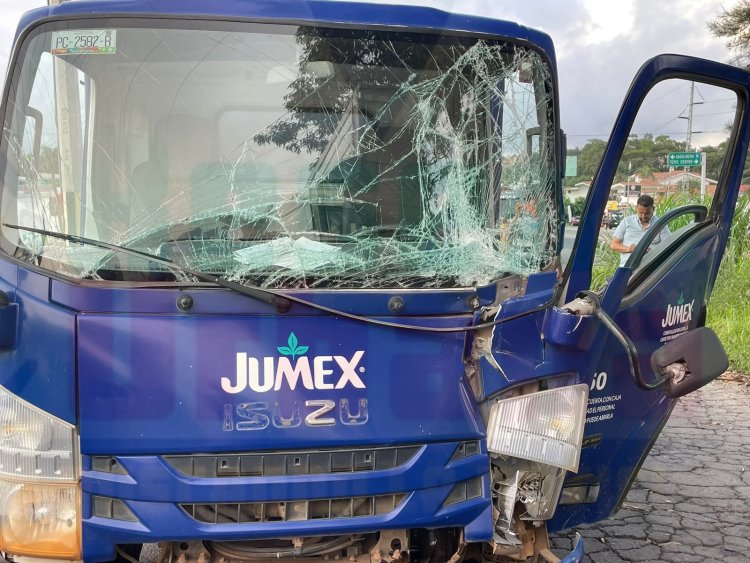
(600, 44)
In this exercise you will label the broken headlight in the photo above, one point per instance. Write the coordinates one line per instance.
(546, 427)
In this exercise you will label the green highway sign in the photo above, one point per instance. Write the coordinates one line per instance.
(684, 159)
(571, 166)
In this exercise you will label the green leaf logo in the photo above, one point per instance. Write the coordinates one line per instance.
(681, 300)
(292, 349)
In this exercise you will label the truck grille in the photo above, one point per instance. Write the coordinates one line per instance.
(293, 511)
(311, 462)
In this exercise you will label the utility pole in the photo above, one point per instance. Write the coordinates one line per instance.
(689, 140)
(686, 180)
(690, 117)
(627, 186)
(69, 137)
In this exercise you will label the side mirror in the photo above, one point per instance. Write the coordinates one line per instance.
(690, 361)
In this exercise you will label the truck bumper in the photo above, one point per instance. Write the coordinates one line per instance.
(575, 556)
(150, 498)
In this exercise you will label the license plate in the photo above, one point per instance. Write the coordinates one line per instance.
(84, 42)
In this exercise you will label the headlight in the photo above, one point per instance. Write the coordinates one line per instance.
(546, 426)
(39, 475)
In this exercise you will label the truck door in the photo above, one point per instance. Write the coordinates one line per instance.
(685, 106)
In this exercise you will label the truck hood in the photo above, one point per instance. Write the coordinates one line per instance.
(164, 383)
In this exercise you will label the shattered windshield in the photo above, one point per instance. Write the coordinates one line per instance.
(280, 156)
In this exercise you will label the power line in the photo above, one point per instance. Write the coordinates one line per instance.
(594, 135)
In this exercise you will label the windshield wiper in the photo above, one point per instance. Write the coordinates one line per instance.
(281, 303)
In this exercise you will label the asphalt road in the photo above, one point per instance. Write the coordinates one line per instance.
(569, 239)
(691, 500)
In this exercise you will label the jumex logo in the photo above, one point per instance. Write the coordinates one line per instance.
(680, 313)
(293, 349)
(294, 368)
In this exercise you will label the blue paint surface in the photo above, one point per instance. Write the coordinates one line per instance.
(162, 391)
(143, 380)
(40, 367)
(298, 11)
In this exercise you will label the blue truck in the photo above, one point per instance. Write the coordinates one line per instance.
(281, 281)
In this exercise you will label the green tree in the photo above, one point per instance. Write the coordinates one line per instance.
(715, 159)
(49, 160)
(645, 156)
(576, 205)
(734, 26)
(589, 157)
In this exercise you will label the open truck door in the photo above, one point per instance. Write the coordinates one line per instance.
(654, 349)
(280, 281)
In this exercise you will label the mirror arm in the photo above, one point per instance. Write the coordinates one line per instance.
(627, 343)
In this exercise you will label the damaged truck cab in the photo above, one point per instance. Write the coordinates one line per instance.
(281, 280)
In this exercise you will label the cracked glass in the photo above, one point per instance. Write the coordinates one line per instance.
(281, 156)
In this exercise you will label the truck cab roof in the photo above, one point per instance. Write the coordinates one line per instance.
(320, 12)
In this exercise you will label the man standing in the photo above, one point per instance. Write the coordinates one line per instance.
(632, 228)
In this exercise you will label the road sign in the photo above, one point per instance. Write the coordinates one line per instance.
(684, 159)
(571, 166)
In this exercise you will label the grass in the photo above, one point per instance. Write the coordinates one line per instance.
(729, 312)
(606, 261)
(678, 200)
(729, 307)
